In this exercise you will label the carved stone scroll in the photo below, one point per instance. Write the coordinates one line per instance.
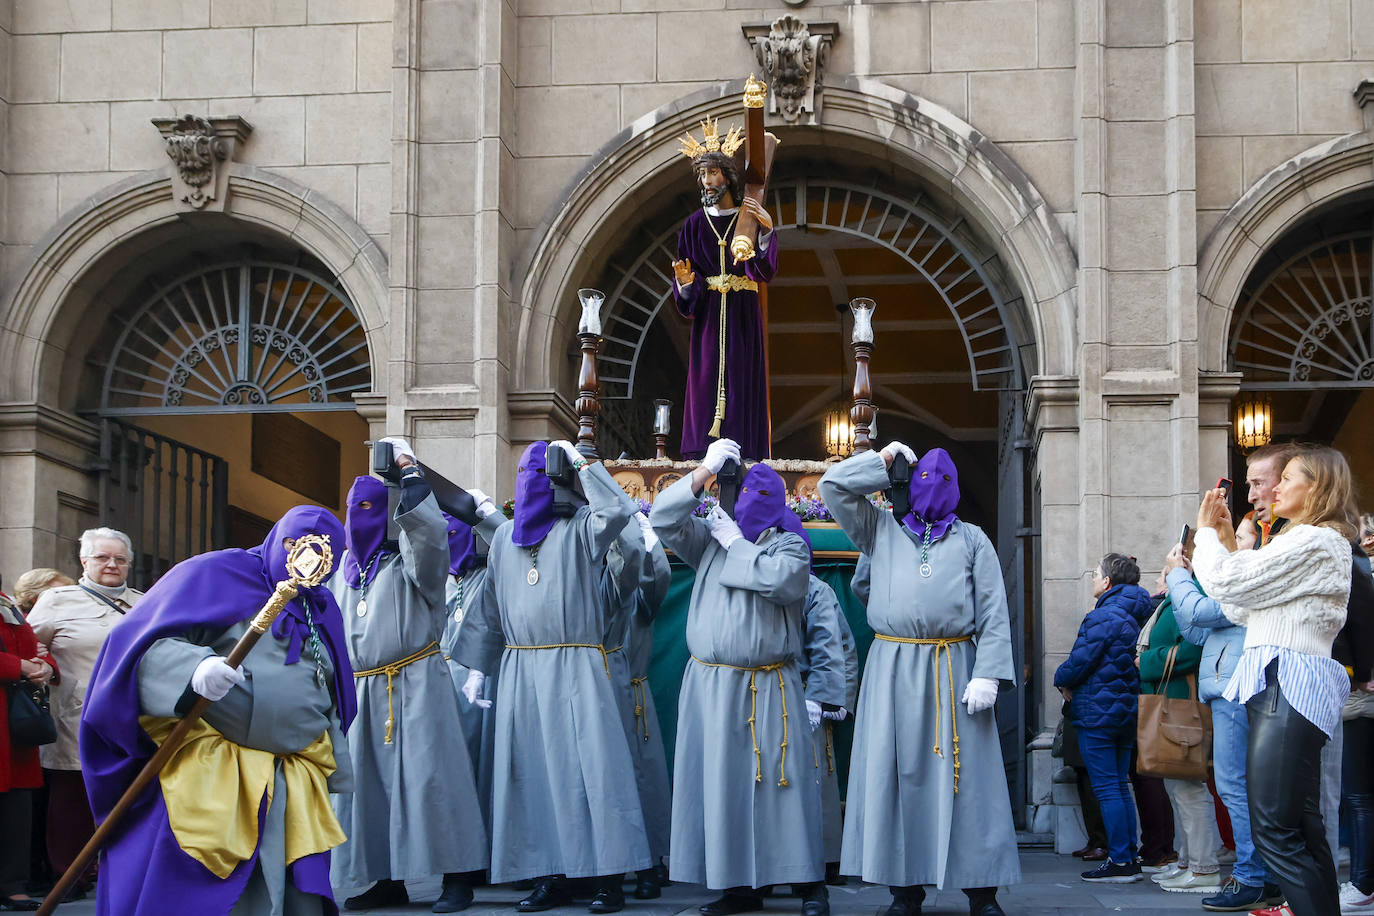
(198, 148)
(793, 56)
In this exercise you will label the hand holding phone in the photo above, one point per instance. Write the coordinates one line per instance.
(1183, 538)
(1224, 484)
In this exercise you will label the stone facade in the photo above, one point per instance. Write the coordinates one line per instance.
(464, 165)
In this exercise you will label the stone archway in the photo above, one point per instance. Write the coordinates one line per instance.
(44, 306)
(1309, 182)
(866, 116)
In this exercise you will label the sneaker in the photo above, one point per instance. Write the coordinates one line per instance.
(1354, 901)
(1111, 873)
(1235, 898)
(1282, 909)
(1172, 870)
(1188, 882)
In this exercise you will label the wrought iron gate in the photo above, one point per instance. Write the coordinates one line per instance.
(172, 499)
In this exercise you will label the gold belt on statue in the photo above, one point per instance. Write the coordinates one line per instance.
(753, 713)
(605, 653)
(730, 283)
(942, 642)
(391, 671)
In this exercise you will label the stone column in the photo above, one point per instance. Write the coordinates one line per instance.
(453, 196)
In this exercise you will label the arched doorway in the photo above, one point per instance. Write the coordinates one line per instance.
(208, 363)
(1302, 336)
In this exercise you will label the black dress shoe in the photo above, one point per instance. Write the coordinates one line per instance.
(384, 893)
(906, 901)
(26, 905)
(547, 894)
(730, 903)
(647, 886)
(661, 874)
(456, 896)
(609, 898)
(815, 900)
(990, 908)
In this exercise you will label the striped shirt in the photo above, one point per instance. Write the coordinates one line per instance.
(1316, 687)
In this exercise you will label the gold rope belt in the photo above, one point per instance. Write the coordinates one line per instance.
(641, 715)
(829, 745)
(605, 653)
(391, 671)
(943, 642)
(753, 713)
(731, 283)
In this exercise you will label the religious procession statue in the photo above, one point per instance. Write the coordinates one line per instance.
(726, 252)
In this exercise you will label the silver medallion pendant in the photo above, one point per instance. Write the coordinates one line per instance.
(532, 577)
(362, 607)
(925, 570)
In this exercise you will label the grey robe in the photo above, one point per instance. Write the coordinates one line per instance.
(479, 725)
(646, 742)
(414, 812)
(733, 824)
(824, 671)
(280, 708)
(564, 799)
(905, 825)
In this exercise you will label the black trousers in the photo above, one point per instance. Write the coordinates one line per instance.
(1283, 776)
(1357, 789)
(16, 810)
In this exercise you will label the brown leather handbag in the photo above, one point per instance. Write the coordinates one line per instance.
(1173, 737)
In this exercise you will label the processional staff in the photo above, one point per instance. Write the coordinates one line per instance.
(308, 563)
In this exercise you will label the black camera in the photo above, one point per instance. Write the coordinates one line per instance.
(384, 462)
(899, 490)
(728, 484)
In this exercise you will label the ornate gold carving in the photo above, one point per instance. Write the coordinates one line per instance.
(711, 141)
(755, 93)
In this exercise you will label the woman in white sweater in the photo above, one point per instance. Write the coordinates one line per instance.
(1291, 597)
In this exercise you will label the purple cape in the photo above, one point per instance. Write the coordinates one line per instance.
(462, 546)
(746, 384)
(144, 870)
(366, 527)
(533, 498)
(934, 495)
(762, 502)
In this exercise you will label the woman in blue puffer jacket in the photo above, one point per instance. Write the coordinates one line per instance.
(1101, 683)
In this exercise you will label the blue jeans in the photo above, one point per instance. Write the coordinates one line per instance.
(1107, 755)
(1230, 736)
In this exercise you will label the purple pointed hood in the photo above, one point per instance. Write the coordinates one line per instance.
(762, 502)
(462, 546)
(533, 498)
(366, 527)
(934, 495)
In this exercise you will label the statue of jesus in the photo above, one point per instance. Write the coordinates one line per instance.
(727, 382)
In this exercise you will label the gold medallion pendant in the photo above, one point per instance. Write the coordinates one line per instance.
(362, 607)
(532, 577)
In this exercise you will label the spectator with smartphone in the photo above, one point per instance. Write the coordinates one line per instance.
(1291, 595)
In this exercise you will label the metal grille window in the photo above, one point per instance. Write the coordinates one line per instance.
(252, 335)
(1307, 324)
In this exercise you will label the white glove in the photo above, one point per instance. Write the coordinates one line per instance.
(650, 536)
(472, 690)
(891, 450)
(485, 505)
(718, 452)
(213, 677)
(980, 694)
(723, 528)
(573, 454)
(838, 715)
(400, 447)
(813, 714)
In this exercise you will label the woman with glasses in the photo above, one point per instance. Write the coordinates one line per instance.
(71, 623)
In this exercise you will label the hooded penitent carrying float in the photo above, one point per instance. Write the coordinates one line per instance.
(416, 812)
(746, 806)
(239, 820)
(938, 608)
(564, 800)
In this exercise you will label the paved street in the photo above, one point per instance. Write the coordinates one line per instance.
(1051, 888)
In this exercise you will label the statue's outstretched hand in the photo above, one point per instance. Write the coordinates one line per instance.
(760, 213)
(683, 271)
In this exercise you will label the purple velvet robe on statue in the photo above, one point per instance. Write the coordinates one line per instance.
(746, 382)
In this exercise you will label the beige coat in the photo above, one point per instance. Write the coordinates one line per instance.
(72, 625)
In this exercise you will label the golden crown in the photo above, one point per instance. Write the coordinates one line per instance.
(711, 141)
